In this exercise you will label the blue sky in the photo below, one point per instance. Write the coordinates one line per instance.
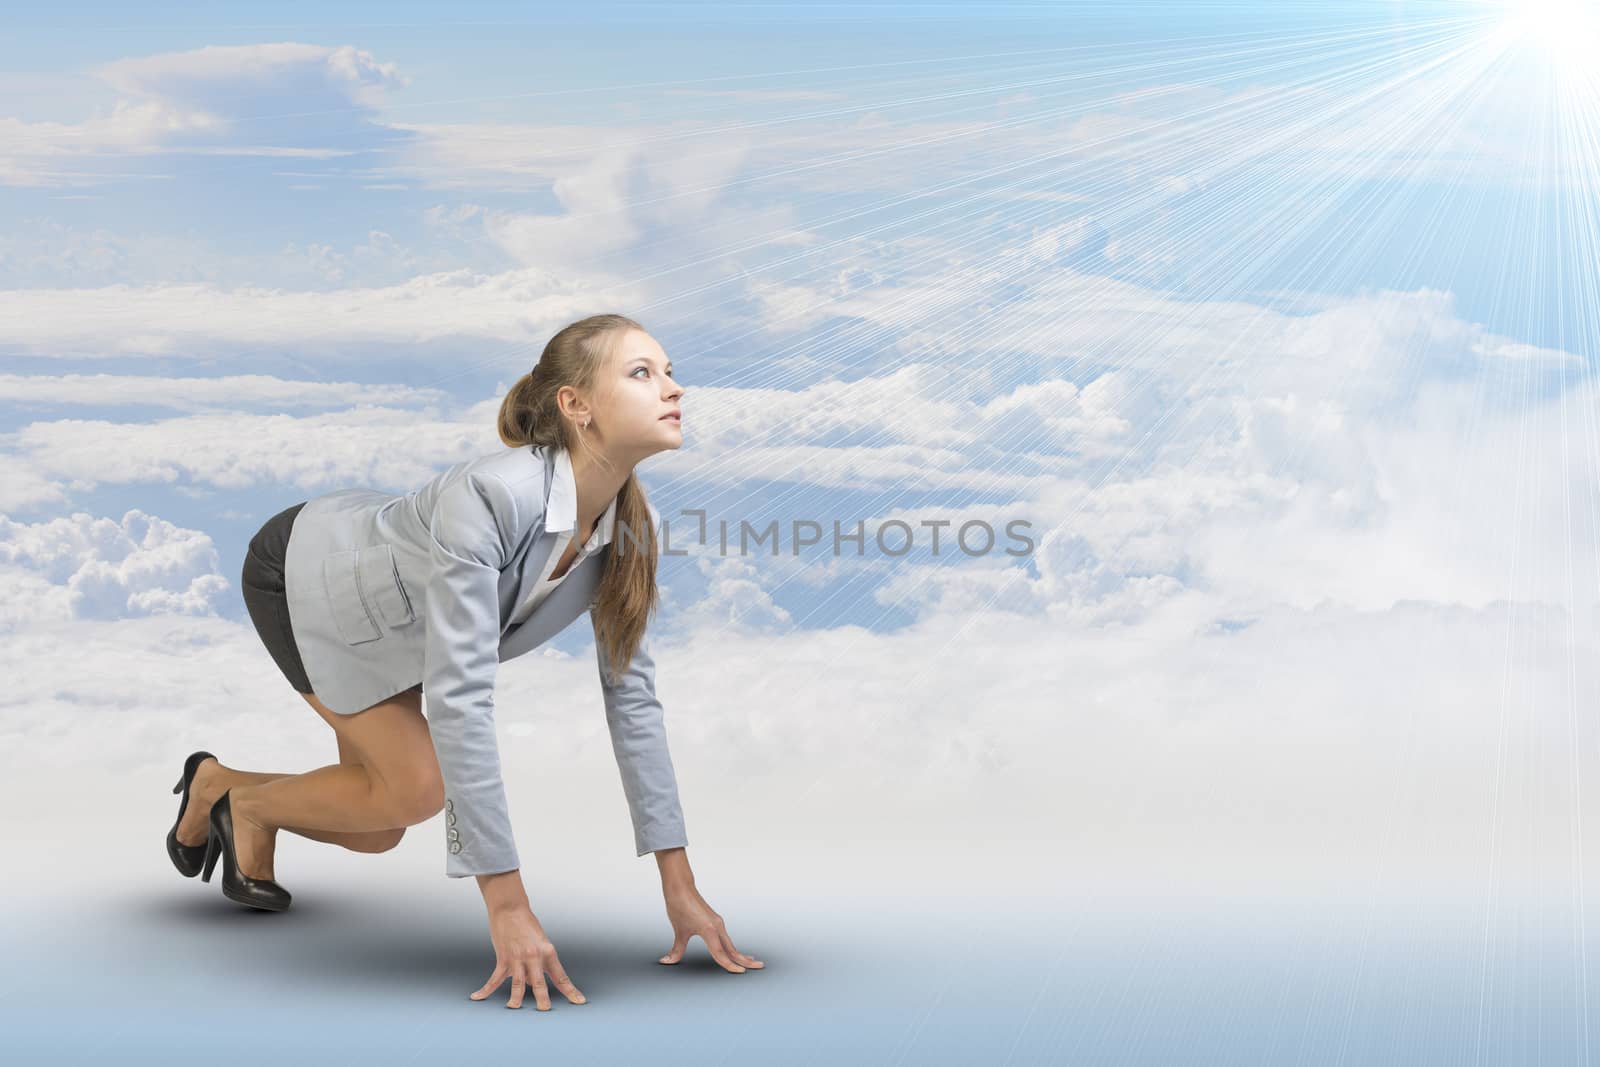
(250, 169)
(191, 199)
(1278, 318)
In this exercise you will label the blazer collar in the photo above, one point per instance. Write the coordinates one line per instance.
(561, 504)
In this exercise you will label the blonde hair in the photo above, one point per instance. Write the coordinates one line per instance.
(529, 415)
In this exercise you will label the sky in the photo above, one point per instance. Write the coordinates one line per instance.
(1276, 323)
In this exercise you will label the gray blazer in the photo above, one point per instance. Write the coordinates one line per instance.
(386, 592)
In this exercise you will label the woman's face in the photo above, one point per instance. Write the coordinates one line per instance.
(635, 395)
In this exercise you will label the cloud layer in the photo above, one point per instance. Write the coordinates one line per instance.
(1302, 557)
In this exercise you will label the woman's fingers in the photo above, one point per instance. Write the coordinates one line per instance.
(494, 982)
(679, 943)
(718, 943)
(713, 942)
(532, 975)
(541, 995)
(748, 961)
(558, 974)
(519, 986)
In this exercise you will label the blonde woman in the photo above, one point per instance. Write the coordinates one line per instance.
(394, 599)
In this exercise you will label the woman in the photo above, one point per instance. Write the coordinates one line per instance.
(397, 598)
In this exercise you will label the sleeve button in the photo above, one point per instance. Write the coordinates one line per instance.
(455, 846)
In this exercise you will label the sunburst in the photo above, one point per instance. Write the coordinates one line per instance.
(1566, 30)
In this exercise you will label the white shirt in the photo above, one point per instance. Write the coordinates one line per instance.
(560, 521)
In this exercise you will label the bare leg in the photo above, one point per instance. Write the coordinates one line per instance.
(213, 778)
(396, 784)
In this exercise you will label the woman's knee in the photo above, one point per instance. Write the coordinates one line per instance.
(417, 797)
(411, 793)
(391, 740)
(382, 840)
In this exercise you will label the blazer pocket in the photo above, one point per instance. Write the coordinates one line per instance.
(379, 577)
(363, 587)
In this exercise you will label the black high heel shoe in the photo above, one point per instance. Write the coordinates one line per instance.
(187, 858)
(240, 888)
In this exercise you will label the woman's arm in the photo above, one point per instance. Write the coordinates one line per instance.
(474, 522)
(639, 740)
(461, 657)
(673, 866)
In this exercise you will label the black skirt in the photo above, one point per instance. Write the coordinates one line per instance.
(265, 599)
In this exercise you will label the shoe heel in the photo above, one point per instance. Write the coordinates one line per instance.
(213, 850)
(186, 858)
(261, 893)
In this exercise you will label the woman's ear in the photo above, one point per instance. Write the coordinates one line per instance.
(573, 406)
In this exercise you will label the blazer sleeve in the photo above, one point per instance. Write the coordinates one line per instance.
(639, 740)
(460, 658)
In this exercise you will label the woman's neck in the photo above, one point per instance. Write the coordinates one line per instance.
(597, 486)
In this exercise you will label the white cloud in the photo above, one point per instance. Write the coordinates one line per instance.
(373, 446)
(734, 597)
(1304, 567)
(231, 392)
(1292, 551)
(237, 79)
(1253, 451)
(26, 488)
(187, 321)
(57, 153)
(212, 100)
(83, 567)
(44, 254)
(1314, 739)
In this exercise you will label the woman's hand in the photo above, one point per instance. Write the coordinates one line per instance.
(690, 914)
(523, 954)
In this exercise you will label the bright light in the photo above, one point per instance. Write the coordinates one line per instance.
(1569, 30)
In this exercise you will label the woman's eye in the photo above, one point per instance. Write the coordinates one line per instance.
(639, 370)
